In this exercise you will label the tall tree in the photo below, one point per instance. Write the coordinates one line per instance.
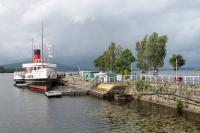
(177, 60)
(112, 53)
(106, 62)
(156, 50)
(99, 63)
(124, 61)
(142, 63)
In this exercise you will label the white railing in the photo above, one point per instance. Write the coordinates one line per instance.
(159, 78)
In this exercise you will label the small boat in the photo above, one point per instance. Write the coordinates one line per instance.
(19, 77)
(21, 85)
(53, 94)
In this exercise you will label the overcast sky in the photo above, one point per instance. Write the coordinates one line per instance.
(82, 29)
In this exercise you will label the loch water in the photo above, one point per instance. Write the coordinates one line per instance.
(26, 111)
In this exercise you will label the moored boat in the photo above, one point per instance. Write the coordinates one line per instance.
(38, 75)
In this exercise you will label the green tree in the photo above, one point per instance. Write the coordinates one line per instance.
(151, 52)
(142, 63)
(156, 51)
(124, 61)
(111, 56)
(177, 58)
(99, 63)
(106, 62)
(114, 59)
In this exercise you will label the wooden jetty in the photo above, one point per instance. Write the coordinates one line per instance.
(75, 93)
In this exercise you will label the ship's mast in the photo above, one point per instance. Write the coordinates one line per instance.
(32, 49)
(42, 45)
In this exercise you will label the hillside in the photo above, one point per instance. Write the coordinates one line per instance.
(60, 67)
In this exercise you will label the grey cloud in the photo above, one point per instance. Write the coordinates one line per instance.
(80, 30)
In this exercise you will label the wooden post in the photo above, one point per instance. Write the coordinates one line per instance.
(162, 79)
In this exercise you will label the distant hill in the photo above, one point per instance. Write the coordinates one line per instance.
(60, 67)
(6, 70)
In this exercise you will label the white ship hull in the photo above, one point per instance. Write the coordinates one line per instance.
(37, 77)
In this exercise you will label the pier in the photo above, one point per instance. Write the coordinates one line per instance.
(75, 93)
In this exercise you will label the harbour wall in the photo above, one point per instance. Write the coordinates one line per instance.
(174, 95)
(186, 97)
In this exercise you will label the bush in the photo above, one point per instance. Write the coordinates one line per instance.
(141, 85)
(128, 83)
(179, 104)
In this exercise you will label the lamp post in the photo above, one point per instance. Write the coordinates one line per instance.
(79, 69)
(176, 70)
(131, 71)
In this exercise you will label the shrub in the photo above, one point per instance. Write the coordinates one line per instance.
(128, 83)
(179, 104)
(141, 85)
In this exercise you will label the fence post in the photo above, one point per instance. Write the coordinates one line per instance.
(162, 79)
(149, 78)
(193, 79)
(185, 78)
(168, 78)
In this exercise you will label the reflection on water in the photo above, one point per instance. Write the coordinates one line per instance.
(143, 117)
(25, 111)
